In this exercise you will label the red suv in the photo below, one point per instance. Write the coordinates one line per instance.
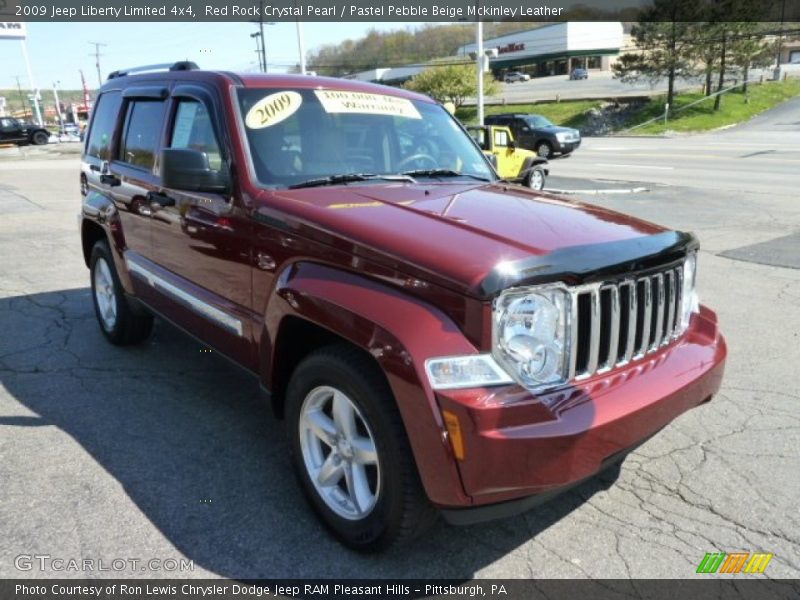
(438, 340)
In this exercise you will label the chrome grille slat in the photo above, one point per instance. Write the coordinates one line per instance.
(679, 303)
(671, 299)
(658, 280)
(633, 307)
(614, 323)
(594, 336)
(647, 314)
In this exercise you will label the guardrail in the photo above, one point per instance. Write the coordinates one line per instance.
(665, 116)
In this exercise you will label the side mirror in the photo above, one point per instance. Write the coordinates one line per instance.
(512, 145)
(185, 169)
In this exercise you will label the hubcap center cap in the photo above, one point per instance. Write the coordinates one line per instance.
(344, 449)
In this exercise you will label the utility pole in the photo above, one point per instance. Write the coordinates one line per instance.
(58, 107)
(21, 98)
(257, 36)
(481, 58)
(261, 31)
(780, 43)
(97, 61)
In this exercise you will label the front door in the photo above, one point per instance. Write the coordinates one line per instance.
(202, 240)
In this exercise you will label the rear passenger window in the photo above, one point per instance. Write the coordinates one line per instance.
(193, 130)
(142, 130)
(105, 120)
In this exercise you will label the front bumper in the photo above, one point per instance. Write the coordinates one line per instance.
(518, 445)
(566, 147)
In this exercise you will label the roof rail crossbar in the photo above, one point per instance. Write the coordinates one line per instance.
(183, 65)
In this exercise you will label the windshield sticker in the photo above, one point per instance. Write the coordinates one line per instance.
(335, 101)
(273, 109)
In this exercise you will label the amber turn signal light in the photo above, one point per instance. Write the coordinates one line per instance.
(454, 432)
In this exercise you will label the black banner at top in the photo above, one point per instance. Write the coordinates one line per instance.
(399, 10)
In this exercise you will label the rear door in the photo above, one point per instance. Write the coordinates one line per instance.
(130, 177)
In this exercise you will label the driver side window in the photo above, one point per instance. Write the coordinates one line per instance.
(193, 130)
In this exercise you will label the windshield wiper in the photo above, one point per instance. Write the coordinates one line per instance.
(443, 173)
(350, 177)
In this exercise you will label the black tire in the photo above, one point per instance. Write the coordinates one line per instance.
(401, 511)
(535, 178)
(544, 149)
(40, 138)
(128, 327)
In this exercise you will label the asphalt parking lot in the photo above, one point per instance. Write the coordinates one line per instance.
(166, 451)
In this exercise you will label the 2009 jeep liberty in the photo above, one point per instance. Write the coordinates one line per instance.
(439, 341)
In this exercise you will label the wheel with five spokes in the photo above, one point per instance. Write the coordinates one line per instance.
(120, 324)
(351, 453)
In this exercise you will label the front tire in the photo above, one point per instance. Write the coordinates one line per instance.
(350, 451)
(544, 149)
(118, 322)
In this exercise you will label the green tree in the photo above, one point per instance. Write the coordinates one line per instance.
(452, 83)
(749, 47)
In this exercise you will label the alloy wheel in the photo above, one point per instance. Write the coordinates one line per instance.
(339, 453)
(104, 294)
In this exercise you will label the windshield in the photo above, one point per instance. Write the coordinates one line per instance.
(298, 136)
(538, 121)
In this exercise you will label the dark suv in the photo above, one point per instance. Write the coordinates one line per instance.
(438, 340)
(14, 131)
(535, 132)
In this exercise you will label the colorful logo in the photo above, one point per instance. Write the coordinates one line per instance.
(735, 562)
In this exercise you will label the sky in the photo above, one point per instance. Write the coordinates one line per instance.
(58, 51)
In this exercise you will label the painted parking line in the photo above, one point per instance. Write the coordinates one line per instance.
(657, 167)
(636, 190)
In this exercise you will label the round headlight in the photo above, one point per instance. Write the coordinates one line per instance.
(529, 336)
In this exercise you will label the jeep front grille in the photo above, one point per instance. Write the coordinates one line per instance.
(616, 322)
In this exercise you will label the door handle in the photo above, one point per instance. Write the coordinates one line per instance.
(160, 199)
(110, 180)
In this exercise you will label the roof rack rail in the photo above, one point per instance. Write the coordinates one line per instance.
(183, 65)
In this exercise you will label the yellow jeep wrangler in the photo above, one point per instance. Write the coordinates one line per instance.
(515, 164)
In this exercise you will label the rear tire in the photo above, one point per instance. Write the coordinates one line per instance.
(350, 451)
(40, 138)
(535, 178)
(118, 322)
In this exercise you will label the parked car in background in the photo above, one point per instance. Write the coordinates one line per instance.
(22, 133)
(512, 163)
(535, 132)
(439, 342)
(515, 76)
(579, 74)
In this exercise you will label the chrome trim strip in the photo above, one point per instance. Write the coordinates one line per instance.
(573, 324)
(679, 303)
(212, 313)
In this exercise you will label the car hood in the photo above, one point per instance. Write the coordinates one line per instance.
(455, 233)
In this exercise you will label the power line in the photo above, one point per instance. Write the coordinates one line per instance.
(97, 56)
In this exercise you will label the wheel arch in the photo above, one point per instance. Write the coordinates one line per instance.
(316, 305)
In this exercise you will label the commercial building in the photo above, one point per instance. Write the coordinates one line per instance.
(555, 49)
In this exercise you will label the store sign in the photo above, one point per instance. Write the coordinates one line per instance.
(12, 31)
(510, 48)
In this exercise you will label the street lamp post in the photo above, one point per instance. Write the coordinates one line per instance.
(481, 58)
(58, 107)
